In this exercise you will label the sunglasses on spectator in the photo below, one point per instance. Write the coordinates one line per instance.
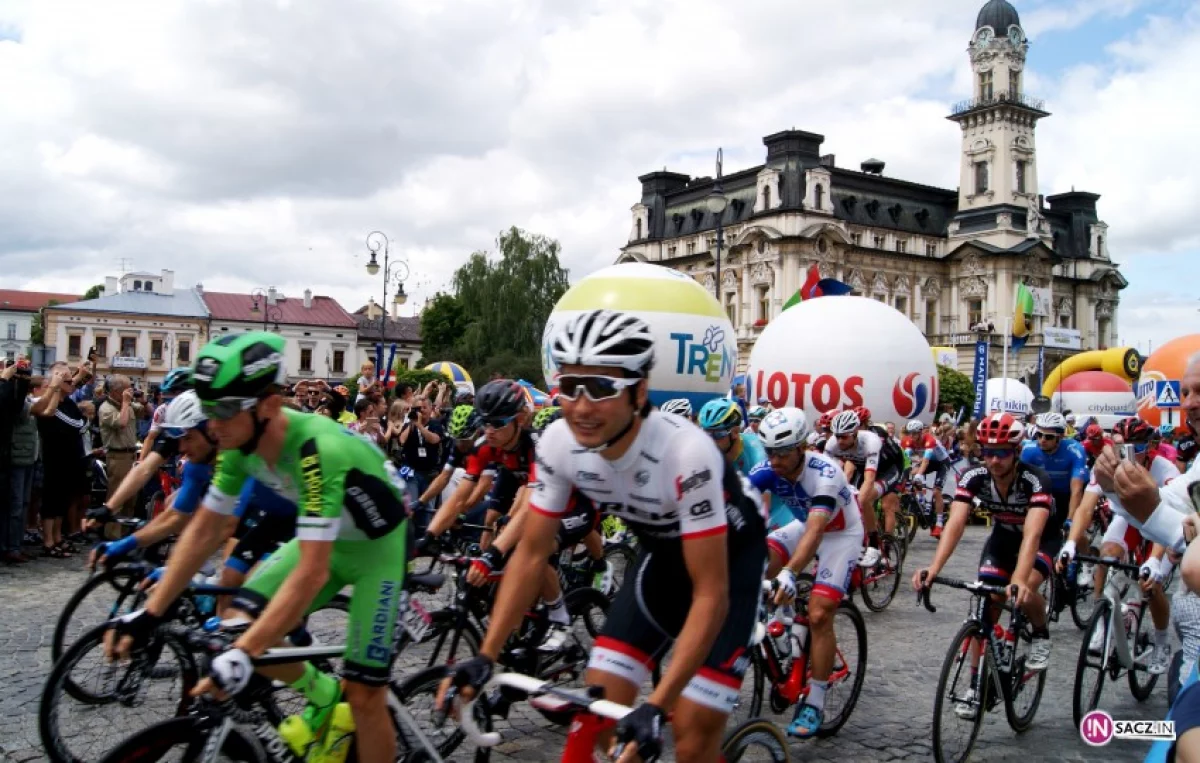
(499, 422)
(1001, 453)
(228, 407)
(597, 388)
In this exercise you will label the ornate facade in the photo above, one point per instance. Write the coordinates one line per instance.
(950, 260)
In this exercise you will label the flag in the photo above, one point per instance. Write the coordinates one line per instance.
(816, 286)
(1022, 317)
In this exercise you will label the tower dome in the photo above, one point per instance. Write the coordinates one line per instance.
(999, 15)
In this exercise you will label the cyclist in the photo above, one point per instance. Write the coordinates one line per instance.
(1066, 463)
(820, 435)
(755, 417)
(176, 382)
(1094, 442)
(932, 465)
(858, 450)
(827, 524)
(722, 420)
(1121, 538)
(182, 429)
(508, 449)
(679, 406)
(1017, 551)
(701, 555)
(352, 532)
(464, 429)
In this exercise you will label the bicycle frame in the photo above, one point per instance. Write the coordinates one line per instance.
(793, 686)
(1115, 636)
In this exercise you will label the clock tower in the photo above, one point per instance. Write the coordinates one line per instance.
(998, 188)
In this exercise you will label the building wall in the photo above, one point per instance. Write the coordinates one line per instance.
(15, 327)
(93, 328)
(311, 350)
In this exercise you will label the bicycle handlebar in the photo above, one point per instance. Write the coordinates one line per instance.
(1111, 561)
(534, 687)
(976, 588)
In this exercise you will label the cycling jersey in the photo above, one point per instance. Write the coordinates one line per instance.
(1187, 449)
(1068, 462)
(1167, 451)
(821, 489)
(511, 470)
(1029, 491)
(193, 485)
(268, 520)
(926, 446)
(753, 453)
(1119, 530)
(864, 453)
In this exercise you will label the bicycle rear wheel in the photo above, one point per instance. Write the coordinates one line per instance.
(184, 738)
(755, 740)
(881, 582)
(954, 701)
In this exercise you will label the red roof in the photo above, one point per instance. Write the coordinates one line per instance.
(31, 301)
(325, 311)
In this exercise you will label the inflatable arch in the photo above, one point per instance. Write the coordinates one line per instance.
(1120, 361)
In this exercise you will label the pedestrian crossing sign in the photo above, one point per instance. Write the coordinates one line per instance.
(1167, 394)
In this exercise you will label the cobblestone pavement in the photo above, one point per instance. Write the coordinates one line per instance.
(891, 722)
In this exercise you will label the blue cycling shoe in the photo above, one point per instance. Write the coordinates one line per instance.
(806, 723)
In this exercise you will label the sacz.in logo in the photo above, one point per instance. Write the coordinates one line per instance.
(1098, 729)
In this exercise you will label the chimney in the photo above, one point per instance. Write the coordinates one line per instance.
(828, 160)
(272, 295)
(168, 281)
(110, 285)
(308, 299)
(200, 288)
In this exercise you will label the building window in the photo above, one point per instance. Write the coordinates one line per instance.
(879, 242)
(1064, 321)
(985, 85)
(901, 245)
(691, 247)
(764, 304)
(881, 298)
(981, 177)
(137, 285)
(1102, 330)
(1099, 252)
(856, 239)
(819, 197)
(73, 342)
(405, 362)
(1014, 84)
(339, 361)
(1020, 176)
(670, 251)
(902, 304)
(731, 308)
(766, 197)
(156, 349)
(931, 250)
(638, 237)
(101, 346)
(974, 312)
(12, 331)
(128, 346)
(930, 317)
(306, 359)
(185, 351)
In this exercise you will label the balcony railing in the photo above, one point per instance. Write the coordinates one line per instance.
(996, 99)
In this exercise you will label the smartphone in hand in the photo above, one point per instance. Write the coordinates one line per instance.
(1127, 453)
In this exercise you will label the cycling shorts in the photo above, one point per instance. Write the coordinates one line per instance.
(998, 560)
(1123, 534)
(936, 473)
(263, 533)
(375, 568)
(650, 611)
(888, 481)
(837, 556)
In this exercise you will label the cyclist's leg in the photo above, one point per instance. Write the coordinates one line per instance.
(781, 545)
(997, 561)
(1118, 539)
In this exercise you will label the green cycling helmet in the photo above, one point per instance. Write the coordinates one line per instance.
(546, 417)
(240, 366)
(464, 422)
(757, 413)
(721, 413)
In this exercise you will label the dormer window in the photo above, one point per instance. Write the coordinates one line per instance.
(137, 285)
(638, 236)
(766, 195)
(819, 197)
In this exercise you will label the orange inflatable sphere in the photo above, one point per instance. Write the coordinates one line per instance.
(1167, 362)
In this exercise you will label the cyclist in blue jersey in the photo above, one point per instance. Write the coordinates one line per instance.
(722, 420)
(266, 520)
(1065, 461)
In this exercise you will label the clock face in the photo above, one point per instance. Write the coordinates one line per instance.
(984, 38)
(1015, 36)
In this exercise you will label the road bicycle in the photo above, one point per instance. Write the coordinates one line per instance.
(1118, 624)
(1000, 654)
(591, 715)
(879, 583)
(914, 512)
(245, 727)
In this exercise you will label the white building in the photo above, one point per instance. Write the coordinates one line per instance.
(17, 312)
(403, 332)
(322, 338)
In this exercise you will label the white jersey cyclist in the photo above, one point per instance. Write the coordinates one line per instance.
(1119, 530)
(864, 453)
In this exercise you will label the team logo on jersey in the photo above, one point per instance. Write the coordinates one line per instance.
(642, 478)
(697, 480)
(910, 396)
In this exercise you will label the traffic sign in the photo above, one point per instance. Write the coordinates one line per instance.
(1166, 394)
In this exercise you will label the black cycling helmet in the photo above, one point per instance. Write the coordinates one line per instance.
(500, 399)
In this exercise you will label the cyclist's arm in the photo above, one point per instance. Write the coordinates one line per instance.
(508, 538)
(147, 444)
(871, 464)
(1083, 516)
(1031, 537)
(960, 512)
(136, 479)
(437, 486)
(1077, 486)
(920, 472)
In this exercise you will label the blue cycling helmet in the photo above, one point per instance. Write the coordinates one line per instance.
(177, 380)
(721, 413)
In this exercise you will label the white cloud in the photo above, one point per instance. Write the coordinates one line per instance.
(253, 144)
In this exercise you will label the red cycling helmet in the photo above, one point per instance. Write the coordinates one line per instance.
(825, 420)
(1133, 430)
(1000, 429)
(864, 414)
(1094, 430)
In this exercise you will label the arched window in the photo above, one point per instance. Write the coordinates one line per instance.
(819, 196)
(766, 197)
(1099, 246)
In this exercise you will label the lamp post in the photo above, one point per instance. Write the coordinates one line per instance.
(716, 203)
(269, 312)
(393, 273)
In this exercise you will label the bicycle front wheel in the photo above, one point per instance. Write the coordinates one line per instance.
(956, 699)
(102, 597)
(1091, 665)
(184, 739)
(849, 668)
(755, 740)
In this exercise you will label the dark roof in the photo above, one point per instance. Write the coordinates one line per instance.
(884, 202)
(31, 301)
(999, 15)
(402, 329)
(325, 311)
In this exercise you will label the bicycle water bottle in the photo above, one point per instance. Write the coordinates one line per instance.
(800, 632)
(296, 733)
(339, 737)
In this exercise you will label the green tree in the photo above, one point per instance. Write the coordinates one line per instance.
(442, 324)
(955, 388)
(37, 327)
(94, 292)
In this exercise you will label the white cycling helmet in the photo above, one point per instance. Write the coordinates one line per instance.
(1031, 431)
(680, 406)
(913, 426)
(846, 422)
(1052, 422)
(605, 338)
(182, 414)
(783, 428)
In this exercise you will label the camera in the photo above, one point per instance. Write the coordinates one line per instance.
(412, 415)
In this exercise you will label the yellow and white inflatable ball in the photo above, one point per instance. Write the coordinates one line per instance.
(695, 347)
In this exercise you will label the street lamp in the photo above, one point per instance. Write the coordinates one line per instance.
(394, 273)
(716, 203)
(269, 312)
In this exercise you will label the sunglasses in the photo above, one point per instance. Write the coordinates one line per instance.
(175, 433)
(780, 452)
(499, 422)
(228, 407)
(719, 434)
(1001, 453)
(1048, 436)
(597, 388)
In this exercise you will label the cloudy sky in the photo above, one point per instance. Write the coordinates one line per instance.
(256, 143)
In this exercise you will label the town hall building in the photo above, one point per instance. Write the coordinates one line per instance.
(950, 260)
